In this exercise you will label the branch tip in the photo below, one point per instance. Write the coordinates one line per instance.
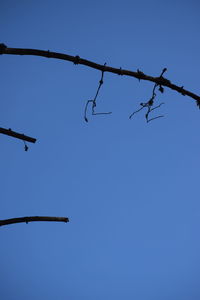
(33, 219)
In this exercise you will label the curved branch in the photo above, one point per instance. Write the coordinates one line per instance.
(161, 81)
(32, 219)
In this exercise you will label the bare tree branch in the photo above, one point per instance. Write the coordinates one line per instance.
(17, 135)
(32, 219)
(160, 81)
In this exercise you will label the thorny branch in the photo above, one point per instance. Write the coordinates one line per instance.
(160, 81)
(32, 219)
(149, 104)
(93, 102)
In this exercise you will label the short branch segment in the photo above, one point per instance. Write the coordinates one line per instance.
(17, 135)
(160, 81)
(33, 219)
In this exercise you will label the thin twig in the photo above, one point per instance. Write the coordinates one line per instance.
(157, 106)
(160, 81)
(150, 109)
(32, 219)
(149, 104)
(136, 111)
(93, 101)
(154, 118)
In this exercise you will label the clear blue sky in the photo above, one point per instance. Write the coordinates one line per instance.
(130, 189)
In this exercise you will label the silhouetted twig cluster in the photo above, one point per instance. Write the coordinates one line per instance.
(93, 101)
(150, 103)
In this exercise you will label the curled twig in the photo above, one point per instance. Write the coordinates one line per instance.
(93, 101)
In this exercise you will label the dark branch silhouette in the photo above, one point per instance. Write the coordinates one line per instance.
(24, 138)
(17, 135)
(150, 103)
(32, 219)
(94, 102)
(160, 81)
